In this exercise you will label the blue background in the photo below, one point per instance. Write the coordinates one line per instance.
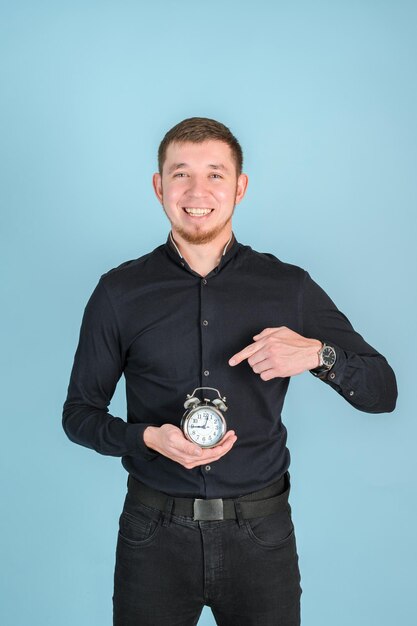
(322, 96)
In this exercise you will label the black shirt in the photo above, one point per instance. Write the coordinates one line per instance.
(169, 330)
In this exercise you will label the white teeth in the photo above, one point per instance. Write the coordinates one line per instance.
(192, 211)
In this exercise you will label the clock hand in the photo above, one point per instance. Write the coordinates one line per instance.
(205, 424)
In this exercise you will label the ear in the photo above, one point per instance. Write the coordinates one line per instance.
(157, 185)
(242, 184)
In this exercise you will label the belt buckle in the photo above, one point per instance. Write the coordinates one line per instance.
(208, 510)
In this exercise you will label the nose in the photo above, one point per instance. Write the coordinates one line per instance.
(197, 186)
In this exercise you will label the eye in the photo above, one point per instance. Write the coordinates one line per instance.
(180, 175)
(216, 176)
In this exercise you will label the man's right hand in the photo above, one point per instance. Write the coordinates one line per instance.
(170, 441)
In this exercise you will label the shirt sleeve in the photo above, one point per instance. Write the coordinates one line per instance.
(98, 366)
(361, 374)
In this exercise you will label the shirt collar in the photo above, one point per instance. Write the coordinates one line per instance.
(229, 251)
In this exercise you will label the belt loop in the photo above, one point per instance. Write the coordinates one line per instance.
(167, 512)
(239, 515)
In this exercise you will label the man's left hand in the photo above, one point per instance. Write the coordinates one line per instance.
(279, 352)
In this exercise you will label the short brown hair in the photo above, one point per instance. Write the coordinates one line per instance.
(197, 130)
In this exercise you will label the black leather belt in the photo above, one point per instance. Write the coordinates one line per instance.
(269, 500)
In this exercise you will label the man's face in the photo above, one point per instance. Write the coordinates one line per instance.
(199, 189)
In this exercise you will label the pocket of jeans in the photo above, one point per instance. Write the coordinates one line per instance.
(137, 529)
(271, 531)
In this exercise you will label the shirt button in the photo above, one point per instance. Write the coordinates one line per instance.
(332, 375)
(183, 264)
(205, 323)
(204, 281)
(207, 468)
(351, 393)
(206, 372)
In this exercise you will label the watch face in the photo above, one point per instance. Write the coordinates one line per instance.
(329, 356)
(204, 425)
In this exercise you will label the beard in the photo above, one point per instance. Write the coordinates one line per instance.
(201, 234)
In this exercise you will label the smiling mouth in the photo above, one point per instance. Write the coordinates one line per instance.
(197, 212)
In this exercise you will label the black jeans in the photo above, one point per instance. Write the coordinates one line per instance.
(168, 568)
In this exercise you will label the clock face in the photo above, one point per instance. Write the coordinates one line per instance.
(329, 356)
(204, 426)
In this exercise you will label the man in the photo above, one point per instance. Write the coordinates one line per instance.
(208, 525)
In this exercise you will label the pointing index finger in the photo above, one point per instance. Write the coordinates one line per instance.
(244, 354)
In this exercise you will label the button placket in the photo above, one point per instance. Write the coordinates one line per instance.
(204, 338)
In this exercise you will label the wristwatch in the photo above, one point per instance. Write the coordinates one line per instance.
(327, 358)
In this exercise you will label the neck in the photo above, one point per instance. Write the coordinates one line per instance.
(202, 257)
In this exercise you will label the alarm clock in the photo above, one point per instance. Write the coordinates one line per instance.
(203, 422)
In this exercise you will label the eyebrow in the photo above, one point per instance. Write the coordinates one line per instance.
(214, 166)
(219, 166)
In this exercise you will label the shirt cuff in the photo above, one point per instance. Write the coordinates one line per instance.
(135, 442)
